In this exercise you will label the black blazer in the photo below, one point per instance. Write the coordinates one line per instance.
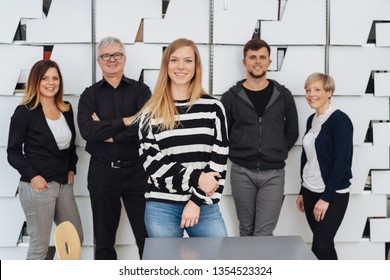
(32, 149)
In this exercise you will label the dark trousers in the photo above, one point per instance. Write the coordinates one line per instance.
(107, 186)
(324, 231)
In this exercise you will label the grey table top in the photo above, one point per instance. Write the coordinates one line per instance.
(228, 248)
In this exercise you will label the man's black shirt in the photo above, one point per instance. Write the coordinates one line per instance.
(260, 98)
(111, 105)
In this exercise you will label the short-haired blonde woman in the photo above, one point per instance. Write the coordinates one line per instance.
(325, 166)
(184, 149)
(41, 146)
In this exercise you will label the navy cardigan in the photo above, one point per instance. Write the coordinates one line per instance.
(334, 147)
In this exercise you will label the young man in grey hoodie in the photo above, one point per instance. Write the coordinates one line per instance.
(263, 127)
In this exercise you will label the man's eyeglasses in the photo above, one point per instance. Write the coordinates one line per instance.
(107, 57)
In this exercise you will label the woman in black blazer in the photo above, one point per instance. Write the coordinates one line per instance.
(41, 147)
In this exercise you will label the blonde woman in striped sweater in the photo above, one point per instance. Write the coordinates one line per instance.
(184, 148)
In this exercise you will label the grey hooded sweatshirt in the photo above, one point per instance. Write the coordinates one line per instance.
(260, 143)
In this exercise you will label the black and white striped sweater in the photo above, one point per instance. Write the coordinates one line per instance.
(174, 159)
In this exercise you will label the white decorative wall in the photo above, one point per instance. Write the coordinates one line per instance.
(347, 38)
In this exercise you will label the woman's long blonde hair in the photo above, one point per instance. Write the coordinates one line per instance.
(161, 106)
(32, 94)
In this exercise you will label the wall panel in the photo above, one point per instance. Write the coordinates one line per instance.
(352, 20)
(18, 59)
(296, 29)
(11, 14)
(122, 18)
(358, 62)
(231, 27)
(183, 18)
(68, 21)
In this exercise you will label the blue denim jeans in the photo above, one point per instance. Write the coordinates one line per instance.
(56, 203)
(162, 219)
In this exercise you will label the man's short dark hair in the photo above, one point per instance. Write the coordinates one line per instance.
(256, 44)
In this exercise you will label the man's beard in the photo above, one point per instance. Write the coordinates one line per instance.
(257, 76)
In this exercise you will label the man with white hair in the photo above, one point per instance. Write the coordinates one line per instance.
(115, 172)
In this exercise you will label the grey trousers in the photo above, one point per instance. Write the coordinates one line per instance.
(57, 203)
(258, 196)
